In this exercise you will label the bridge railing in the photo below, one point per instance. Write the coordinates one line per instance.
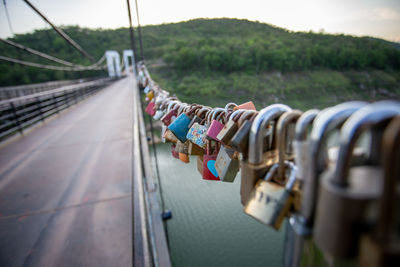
(8, 92)
(16, 114)
(150, 246)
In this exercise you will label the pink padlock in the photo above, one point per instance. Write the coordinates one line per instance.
(151, 108)
(216, 125)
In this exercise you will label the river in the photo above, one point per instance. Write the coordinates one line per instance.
(209, 227)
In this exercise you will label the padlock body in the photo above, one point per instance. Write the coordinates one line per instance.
(268, 203)
(251, 173)
(226, 165)
(174, 153)
(226, 134)
(184, 157)
(179, 127)
(240, 139)
(214, 130)
(158, 114)
(209, 171)
(169, 117)
(195, 150)
(196, 135)
(200, 164)
(151, 109)
(340, 210)
(374, 253)
(169, 136)
(248, 105)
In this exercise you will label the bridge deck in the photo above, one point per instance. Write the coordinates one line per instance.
(65, 187)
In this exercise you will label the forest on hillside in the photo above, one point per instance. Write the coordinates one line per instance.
(221, 57)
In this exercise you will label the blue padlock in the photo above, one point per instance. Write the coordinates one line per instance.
(180, 126)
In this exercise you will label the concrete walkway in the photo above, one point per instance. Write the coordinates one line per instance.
(65, 187)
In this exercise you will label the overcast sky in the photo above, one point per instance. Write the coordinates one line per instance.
(379, 18)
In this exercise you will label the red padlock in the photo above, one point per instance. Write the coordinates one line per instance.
(151, 108)
(209, 171)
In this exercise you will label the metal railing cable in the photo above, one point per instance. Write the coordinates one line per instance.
(38, 53)
(51, 67)
(61, 33)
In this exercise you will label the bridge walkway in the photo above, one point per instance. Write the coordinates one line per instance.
(65, 186)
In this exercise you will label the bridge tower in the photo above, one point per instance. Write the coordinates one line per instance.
(113, 63)
(129, 53)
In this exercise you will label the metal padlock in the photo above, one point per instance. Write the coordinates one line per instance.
(381, 246)
(227, 164)
(171, 113)
(259, 162)
(200, 164)
(248, 105)
(195, 150)
(230, 128)
(346, 193)
(270, 202)
(230, 106)
(174, 153)
(240, 139)
(199, 116)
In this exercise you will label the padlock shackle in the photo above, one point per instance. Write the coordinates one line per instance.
(171, 105)
(216, 112)
(390, 158)
(202, 112)
(292, 174)
(245, 116)
(281, 129)
(234, 116)
(302, 124)
(326, 121)
(363, 119)
(227, 106)
(258, 130)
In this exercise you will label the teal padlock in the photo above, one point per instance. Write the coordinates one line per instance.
(180, 126)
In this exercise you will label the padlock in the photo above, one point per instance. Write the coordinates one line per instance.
(325, 123)
(346, 193)
(270, 202)
(199, 115)
(230, 128)
(283, 137)
(217, 124)
(184, 152)
(179, 127)
(258, 163)
(209, 171)
(195, 150)
(293, 244)
(240, 139)
(150, 95)
(248, 105)
(227, 164)
(169, 136)
(151, 108)
(381, 246)
(197, 134)
(171, 113)
(163, 129)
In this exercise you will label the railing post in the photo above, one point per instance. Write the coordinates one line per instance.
(55, 102)
(39, 106)
(66, 98)
(14, 111)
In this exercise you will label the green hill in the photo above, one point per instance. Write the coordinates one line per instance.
(213, 61)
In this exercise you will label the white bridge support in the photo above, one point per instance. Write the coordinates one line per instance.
(113, 65)
(129, 68)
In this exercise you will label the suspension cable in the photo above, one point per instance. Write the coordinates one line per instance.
(51, 67)
(37, 53)
(62, 33)
(139, 31)
(131, 31)
(8, 18)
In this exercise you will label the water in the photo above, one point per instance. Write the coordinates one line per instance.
(209, 227)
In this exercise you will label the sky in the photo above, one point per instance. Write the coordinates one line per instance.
(378, 18)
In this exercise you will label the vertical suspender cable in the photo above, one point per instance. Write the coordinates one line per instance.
(8, 17)
(61, 33)
(131, 32)
(139, 31)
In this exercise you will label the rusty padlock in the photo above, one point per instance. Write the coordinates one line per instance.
(346, 193)
(230, 128)
(240, 139)
(258, 163)
(227, 164)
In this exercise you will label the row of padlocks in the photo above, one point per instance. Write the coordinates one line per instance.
(332, 173)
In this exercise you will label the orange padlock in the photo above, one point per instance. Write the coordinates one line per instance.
(248, 105)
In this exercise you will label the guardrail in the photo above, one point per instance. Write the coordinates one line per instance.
(150, 247)
(16, 114)
(8, 92)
